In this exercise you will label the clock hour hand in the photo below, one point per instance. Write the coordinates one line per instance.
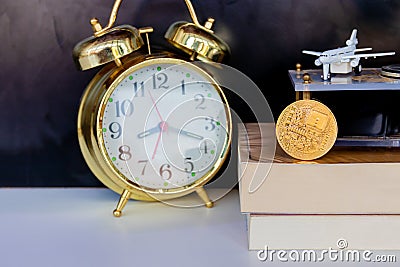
(149, 132)
(162, 126)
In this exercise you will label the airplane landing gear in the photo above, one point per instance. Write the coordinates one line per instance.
(357, 69)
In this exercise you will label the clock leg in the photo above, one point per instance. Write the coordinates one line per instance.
(203, 195)
(121, 203)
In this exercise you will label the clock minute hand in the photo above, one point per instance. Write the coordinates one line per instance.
(189, 134)
(193, 135)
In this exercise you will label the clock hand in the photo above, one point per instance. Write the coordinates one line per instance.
(189, 134)
(155, 106)
(155, 148)
(183, 132)
(163, 126)
(149, 132)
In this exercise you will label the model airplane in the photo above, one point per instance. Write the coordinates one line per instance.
(343, 59)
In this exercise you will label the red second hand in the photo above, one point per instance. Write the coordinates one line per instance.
(155, 148)
(155, 106)
(163, 126)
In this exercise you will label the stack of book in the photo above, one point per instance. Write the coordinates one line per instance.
(350, 195)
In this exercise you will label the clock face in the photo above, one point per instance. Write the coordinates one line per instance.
(164, 124)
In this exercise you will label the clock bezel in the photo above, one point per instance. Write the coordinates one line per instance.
(91, 139)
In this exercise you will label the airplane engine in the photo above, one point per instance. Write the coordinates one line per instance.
(354, 62)
(317, 62)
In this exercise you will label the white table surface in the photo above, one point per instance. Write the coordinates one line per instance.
(74, 227)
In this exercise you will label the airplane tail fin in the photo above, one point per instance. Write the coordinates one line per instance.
(353, 38)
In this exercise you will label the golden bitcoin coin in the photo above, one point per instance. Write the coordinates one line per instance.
(306, 129)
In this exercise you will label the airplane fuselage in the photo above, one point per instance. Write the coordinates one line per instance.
(337, 60)
(336, 55)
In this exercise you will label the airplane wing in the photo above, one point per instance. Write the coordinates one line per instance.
(363, 49)
(369, 55)
(314, 53)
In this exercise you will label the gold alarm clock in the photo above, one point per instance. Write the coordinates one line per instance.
(152, 125)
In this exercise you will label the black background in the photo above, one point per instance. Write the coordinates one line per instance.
(40, 88)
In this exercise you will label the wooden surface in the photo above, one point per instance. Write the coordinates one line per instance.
(336, 155)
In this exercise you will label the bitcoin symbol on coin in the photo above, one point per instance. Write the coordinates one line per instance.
(306, 129)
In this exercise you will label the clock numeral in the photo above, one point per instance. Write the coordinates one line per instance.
(165, 169)
(183, 87)
(144, 162)
(138, 92)
(211, 124)
(189, 164)
(125, 108)
(125, 153)
(116, 130)
(162, 78)
(204, 147)
(199, 98)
